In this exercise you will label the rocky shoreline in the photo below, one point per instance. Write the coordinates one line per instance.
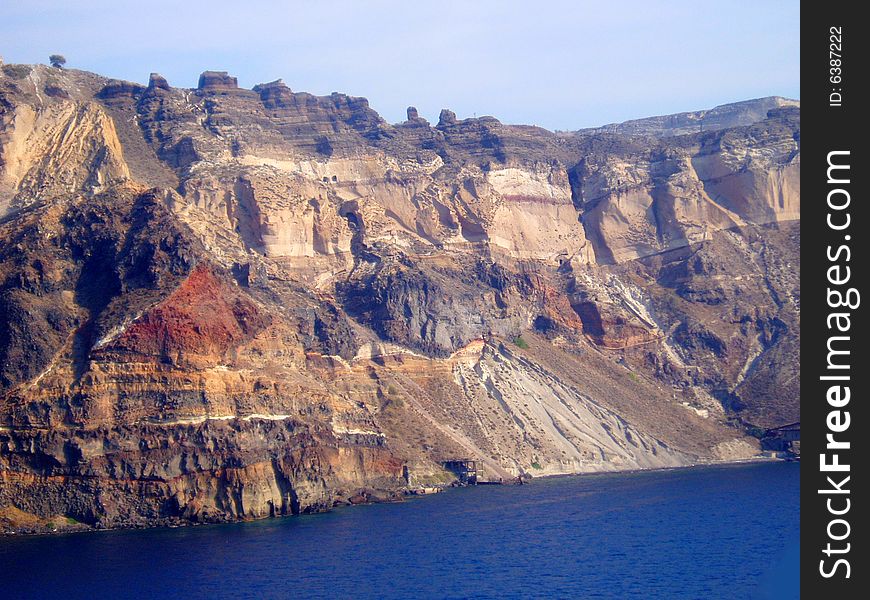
(361, 497)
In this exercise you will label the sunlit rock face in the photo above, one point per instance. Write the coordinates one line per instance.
(221, 303)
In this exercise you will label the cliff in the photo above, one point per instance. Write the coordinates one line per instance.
(220, 303)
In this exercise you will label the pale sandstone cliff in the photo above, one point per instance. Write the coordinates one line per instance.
(224, 303)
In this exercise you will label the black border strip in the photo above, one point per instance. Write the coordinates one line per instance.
(831, 123)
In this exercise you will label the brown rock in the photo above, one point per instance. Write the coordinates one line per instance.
(446, 118)
(116, 89)
(217, 81)
(156, 81)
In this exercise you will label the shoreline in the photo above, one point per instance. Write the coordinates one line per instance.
(171, 523)
(700, 465)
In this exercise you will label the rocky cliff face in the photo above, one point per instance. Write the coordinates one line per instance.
(223, 303)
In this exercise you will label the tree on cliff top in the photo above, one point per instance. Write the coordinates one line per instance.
(57, 60)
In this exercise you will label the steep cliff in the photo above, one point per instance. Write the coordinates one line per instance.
(223, 303)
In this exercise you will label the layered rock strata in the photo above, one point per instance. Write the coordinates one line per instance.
(222, 304)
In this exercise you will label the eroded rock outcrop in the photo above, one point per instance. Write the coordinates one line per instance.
(64, 147)
(156, 81)
(211, 81)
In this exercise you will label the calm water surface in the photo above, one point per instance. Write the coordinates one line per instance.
(717, 532)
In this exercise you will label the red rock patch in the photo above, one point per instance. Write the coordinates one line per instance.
(204, 316)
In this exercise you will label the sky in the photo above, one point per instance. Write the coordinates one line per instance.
(562, 65)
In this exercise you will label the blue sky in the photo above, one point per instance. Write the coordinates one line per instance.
(557, 64)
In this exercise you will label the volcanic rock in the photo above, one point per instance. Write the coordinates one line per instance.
(156, 81)
(238, 303)
(446, 118)
(216, 81)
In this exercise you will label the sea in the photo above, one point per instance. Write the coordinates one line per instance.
(713, 532)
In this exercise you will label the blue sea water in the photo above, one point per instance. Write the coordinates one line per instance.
(712, 532)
